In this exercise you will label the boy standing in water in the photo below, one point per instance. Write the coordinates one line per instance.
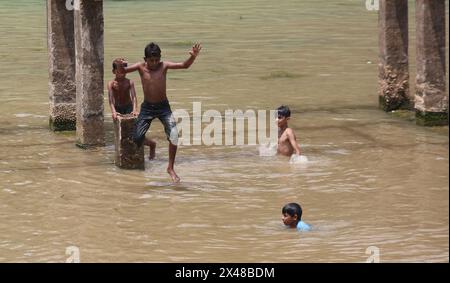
(122, 96)
(153, 77)
(287, 141)
(292, 217)
(121, 92)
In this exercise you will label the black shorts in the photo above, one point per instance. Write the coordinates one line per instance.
(150, 111)
(124, 109)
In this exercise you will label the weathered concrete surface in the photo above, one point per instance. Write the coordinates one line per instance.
(393, 66)
(128, 154)
(88, 20)
(61, 61)
(431, 100)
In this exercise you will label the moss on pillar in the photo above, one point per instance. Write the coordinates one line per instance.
(386, 105)
(404, 115)
(430, 119)
(58, 125)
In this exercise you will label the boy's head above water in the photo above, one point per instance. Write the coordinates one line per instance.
(284, 114)
(152, 55)
(118, 66)
(292, 214)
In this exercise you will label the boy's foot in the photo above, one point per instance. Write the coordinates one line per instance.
(174, 175)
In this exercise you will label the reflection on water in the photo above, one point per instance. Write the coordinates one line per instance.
(371, 179)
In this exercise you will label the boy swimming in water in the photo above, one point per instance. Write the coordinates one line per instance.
(292, 217)
(122, 97)
(287, 141)
(153, 77)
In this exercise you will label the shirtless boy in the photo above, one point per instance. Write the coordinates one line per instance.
(153, 77)
(121, 91)
(287, 141)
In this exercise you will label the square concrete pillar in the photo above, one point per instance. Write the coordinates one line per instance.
(88, 20)
(431, 100)
(61, 61)
(128, 155)
(393, 62)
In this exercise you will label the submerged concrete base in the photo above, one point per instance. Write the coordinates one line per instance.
(128, 154)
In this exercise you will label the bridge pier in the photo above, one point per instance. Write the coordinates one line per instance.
(61, 62)
(393, 47)
(128, 155)
(431, 100)
(88, 18)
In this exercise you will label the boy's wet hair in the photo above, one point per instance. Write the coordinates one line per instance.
(152, 50)
(118, 62)
(292, 209)
(284, 111)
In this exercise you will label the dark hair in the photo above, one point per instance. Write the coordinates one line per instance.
(152, 50)
(118, 62)
(292, 209)
(284, 111)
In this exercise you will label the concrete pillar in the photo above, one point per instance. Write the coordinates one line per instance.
(88, 20)
(431, 100)
(128, 154)
(393, 44)
(61, 61)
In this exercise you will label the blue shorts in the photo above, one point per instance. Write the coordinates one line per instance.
(150, 111)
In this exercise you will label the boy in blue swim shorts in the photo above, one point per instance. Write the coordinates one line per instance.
(292, 217)
(153, 73)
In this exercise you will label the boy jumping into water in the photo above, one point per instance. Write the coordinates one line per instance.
(153, 77)
(122, 96)
(287, 141)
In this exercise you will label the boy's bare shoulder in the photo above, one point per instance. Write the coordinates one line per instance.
(140, 65)
(290, 132)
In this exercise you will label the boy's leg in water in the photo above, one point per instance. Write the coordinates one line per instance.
(170, 127)
(152, 145)
(170, 170)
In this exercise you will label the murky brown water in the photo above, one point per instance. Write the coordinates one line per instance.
(373, 179)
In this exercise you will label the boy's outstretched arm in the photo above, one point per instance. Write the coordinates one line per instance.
(186, 64)
(133, 97)
(293, 141)
(133, 67)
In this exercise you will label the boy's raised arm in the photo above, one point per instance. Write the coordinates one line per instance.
(186, 64)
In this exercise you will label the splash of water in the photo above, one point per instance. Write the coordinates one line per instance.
(268, 149)
(295, 159)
